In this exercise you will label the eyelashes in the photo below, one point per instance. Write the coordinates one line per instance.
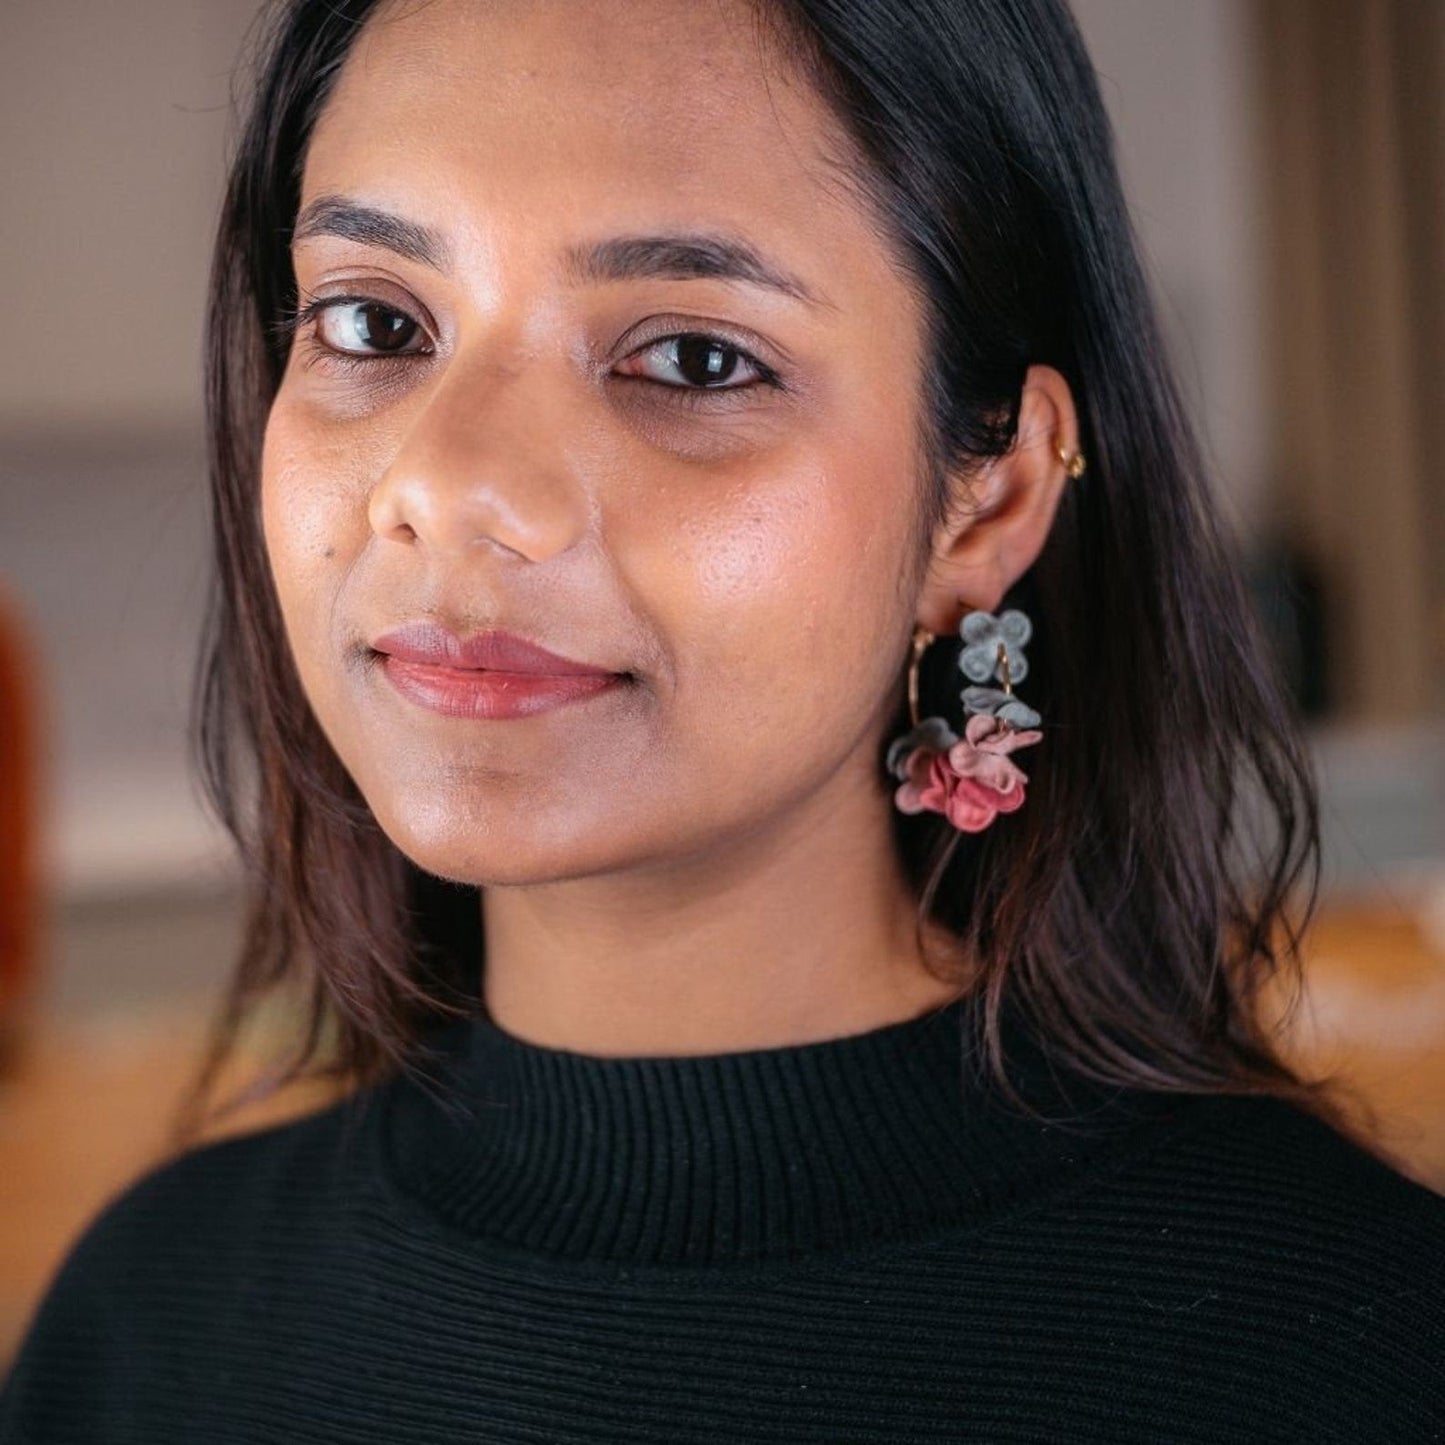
(303, 327)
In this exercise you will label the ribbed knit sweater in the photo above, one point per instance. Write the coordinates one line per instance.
(852, 1240)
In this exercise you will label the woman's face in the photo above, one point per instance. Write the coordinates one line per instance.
(514, 438)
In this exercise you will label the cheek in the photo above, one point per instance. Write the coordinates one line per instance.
(789, 582)
(313, 517)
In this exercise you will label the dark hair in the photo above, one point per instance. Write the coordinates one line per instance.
(1138, 907)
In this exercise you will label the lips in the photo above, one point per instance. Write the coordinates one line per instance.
(492, 675)
(432, 645)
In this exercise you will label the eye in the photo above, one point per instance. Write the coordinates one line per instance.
(361, 327)
(704, 363)
(350, 333)
(370, 324)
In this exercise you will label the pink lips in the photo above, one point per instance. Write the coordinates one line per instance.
(496, 651)
(491, 675)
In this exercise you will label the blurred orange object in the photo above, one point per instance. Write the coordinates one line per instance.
(19, 863)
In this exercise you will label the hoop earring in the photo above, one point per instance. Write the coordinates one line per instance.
(971, 779)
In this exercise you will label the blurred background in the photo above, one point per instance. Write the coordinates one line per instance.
(1285, 160)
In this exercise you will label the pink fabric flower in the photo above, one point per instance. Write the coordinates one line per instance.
(974, 781)
(981, 752)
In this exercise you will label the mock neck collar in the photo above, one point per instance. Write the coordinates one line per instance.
(736, 1157)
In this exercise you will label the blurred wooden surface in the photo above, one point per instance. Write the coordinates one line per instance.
(83, 1110)
(1374, 1014)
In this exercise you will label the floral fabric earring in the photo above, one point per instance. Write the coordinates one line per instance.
(970, 779)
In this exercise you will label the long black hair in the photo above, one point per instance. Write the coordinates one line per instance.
(1139, 908)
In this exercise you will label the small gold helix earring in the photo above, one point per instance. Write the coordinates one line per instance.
(1074, 463)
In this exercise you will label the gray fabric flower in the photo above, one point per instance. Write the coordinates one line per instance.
(1000, 704)
(982, 633)
(932, 732)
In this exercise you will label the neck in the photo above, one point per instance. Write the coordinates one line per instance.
(797, 930)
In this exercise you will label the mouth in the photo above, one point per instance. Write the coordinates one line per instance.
(490, 675)
(430, 644)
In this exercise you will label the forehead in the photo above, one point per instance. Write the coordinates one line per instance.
(573, 116)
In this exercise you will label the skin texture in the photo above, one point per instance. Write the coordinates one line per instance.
(701, 860)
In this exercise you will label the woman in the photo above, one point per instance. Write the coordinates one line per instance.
(611, 405)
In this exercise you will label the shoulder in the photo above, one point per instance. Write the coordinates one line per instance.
(1243, 1249)
(1331, 1251)
(1268, 1201)
(219, 1195)
(1296, 1169)
(232, 1187)
(176, 1250)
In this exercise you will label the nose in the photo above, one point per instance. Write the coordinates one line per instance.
(484, 460)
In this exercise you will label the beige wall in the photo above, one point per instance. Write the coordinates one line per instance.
(1173, 77)
(113, 118)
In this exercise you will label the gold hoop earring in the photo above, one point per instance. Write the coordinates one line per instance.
(969, 779)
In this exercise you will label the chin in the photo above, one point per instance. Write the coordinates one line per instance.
(490, 844)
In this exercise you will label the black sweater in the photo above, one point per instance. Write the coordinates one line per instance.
(847, 1241)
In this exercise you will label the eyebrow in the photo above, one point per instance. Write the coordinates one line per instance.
(336, 216)
(681, 256)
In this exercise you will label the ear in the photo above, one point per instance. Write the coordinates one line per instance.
(1005, 508)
